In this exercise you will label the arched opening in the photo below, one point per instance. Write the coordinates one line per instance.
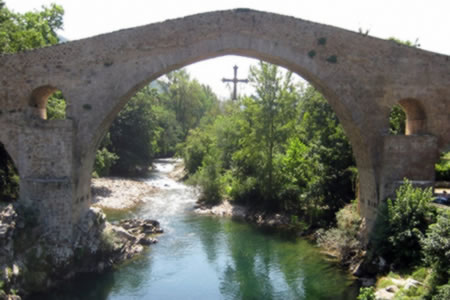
(407, 118)
(169, 96)
(9, 177)
(48, 103)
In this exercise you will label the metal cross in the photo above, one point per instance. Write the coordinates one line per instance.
(235, 82)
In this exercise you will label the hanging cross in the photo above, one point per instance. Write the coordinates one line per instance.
(235, 82)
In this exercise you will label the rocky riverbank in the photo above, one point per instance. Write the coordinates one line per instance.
(119, 194)
(260, 218)
(30, 262)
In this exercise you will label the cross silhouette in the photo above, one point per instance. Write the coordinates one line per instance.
(235, 81)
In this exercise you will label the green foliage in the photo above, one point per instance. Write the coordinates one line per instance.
(281, 149)
(208, 178)
(402, 223)
(420, 274)
(343, 240)
(9, 177)
(414, 44)
(56, 107)
(366, 293)
(19, 32)
(443, 292)
(104, 160)
(397, 120)
(187, 98)
(195, 150)
(154, 122)
(443, 167)
(132, 134)
(436, 246)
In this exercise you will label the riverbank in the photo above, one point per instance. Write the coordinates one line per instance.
(30, 262)
(260, 218)
(119, 194)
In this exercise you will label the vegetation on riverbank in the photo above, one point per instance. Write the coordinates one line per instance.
(409, 250)
(152, 123)
(280, 150)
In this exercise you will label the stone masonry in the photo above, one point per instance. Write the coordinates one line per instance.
(362, 78)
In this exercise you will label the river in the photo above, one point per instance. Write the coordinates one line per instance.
(205, 257)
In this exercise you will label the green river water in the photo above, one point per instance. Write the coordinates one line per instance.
(204, 257)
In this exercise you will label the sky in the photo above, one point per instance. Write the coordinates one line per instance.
(427, 21)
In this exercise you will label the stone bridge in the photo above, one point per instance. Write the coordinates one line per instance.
(362, 78)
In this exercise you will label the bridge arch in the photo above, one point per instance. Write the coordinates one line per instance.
(323, 55)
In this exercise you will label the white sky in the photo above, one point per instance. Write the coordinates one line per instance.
(426, 20)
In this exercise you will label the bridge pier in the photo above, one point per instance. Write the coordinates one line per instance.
(47, 181)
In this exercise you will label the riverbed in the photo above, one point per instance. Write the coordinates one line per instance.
(207, 257)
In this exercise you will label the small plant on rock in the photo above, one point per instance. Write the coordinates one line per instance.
(366, 293)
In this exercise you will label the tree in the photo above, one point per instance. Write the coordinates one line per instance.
(281, 149)
(187, 98)
(132, 134)
(19, 32)
(333, 167)
(275, 96)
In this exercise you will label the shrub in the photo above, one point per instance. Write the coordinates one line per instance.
(104, 160)
(246, 191)
(366, 293)
(402, 223)
(443, 292)
(443, 167)
(208, 178)
(343, 240)
(436, 246)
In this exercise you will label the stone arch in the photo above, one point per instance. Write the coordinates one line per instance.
(38, 102)
(320, 54)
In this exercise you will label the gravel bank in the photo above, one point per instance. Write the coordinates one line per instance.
(114, 193)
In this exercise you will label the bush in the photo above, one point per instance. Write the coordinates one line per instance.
(402, 223)
(366, 293)
(443, 168)
(443, 292)
(104, 160)
(246, 191)
(436, 246)
(343, 240)
(208, 178)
